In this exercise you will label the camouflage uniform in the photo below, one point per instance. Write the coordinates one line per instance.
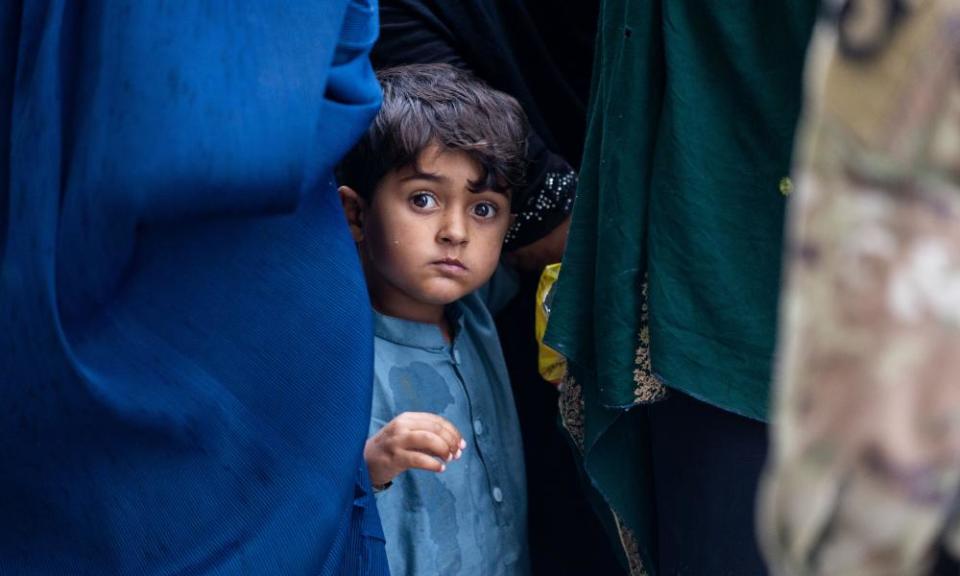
(865, 469)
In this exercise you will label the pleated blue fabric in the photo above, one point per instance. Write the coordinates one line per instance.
(185, 336)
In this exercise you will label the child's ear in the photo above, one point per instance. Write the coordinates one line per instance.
(355, 209)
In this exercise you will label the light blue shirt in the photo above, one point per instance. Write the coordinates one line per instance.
(472, 518)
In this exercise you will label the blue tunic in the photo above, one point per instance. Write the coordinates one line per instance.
(472, 518)
(185, 339)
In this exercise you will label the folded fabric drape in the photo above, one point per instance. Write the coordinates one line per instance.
(185, 337)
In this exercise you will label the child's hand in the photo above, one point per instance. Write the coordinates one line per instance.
(412, 440)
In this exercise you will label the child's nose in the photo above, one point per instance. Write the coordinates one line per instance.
(453, 230)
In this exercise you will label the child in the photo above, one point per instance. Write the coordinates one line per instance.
(427, 197)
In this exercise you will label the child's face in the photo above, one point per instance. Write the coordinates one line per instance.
(427, 239)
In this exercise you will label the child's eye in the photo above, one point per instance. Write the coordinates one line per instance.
(423, 200)
(485, 210)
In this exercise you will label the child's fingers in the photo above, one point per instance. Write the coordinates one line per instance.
(438, 425)
(410, 459)
(427, 442)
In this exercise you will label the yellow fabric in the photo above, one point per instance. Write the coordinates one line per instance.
(551, 364)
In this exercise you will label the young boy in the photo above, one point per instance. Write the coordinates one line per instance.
(427, 196)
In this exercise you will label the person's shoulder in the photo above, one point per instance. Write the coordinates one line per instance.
(383, 345)
(475, 309)
(473, 300)
(386, 354)
(499, 289)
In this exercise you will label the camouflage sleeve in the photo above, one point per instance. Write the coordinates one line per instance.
(865, 463)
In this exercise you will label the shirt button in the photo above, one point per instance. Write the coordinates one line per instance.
(456, 357)
(497, 494)
(478, 426)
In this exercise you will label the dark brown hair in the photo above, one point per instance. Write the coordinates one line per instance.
(425, 104)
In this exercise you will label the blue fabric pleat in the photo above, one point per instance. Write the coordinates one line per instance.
(185, 337)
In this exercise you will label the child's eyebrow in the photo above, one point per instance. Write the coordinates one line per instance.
(475, 187)
(428, 176)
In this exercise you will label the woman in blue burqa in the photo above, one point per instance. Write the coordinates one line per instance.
(185, 338)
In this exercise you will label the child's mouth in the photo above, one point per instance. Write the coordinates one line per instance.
(450, 266)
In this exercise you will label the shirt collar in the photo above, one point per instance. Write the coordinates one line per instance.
(418, 334)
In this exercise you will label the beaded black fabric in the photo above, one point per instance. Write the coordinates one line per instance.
(543, 210)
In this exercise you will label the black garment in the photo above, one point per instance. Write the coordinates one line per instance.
(537, 52)
(705, 457)
(945, 565)
(566, 538)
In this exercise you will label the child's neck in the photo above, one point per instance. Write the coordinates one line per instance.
(425, 314)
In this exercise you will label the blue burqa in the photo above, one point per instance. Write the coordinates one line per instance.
(185, 338)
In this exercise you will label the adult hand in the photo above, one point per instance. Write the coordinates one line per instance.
(547, 250)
